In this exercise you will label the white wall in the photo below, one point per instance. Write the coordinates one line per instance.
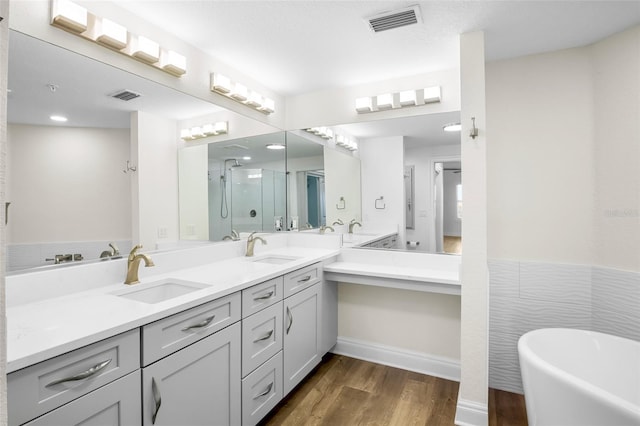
(616, 90)
(407, 320)
(193, 192)
(382, 170)
(422, 158)
(541, 158)
(155, 184)
(53, 172)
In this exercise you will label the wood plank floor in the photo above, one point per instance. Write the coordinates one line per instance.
(343, 391)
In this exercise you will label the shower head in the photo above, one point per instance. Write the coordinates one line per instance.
(235, 162)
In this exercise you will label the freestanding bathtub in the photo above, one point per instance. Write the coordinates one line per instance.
(578, 377)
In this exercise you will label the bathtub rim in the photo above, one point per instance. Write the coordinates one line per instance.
(580, 385)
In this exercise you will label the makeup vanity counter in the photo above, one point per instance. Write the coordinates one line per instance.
(397, 269)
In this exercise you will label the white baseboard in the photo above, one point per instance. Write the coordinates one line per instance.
(432, 365)
(471, 413)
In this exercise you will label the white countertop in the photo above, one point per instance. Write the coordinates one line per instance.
(397, 269)
(46, 328)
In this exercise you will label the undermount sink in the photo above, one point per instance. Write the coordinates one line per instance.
(275, 259)
(160, 291)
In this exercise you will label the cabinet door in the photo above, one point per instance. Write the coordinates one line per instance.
(301, 335)
(116, 404)
(198, 385)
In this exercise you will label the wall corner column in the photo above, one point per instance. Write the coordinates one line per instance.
(472, 406)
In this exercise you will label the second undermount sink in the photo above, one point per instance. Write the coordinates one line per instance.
(275, 259)
(159, 291)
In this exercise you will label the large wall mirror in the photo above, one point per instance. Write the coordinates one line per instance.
(70, 184)
(416, 161)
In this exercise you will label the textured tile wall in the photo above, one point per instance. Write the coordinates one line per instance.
(526, 296)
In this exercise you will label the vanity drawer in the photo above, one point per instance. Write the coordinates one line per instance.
(302, 278)
(261, 295)
(42, 387)
(261, 337)
(262, 390)
(164, 337)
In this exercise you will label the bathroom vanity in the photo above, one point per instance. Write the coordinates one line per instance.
(208, 335)
(219, 343)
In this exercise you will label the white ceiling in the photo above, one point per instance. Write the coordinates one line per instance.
(298, 46)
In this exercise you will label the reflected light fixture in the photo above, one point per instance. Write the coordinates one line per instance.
(385, 101)
(408, 98)
(58, 118)
(239, 92)
(275, 146)
(364, 104)
(452, 127)
(220, 83)
(69, 15)
(204, 131)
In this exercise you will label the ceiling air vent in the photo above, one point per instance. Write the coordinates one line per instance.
(394, 19)
(125, 95)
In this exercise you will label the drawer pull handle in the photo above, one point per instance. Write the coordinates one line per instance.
(265, 391)
(305, 279)
(290, 318)
(265, 336)
(157, 399)
(84, 375)
(264, 296)
(204, 323)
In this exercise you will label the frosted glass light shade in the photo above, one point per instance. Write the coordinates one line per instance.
(268, 106)
(145, 49)
(110, 34)
(385, 101)
(255, 99)
(69, 15)
(173, 62)
(220, 83)
(408, 97)
(364, 104)
(432, 94)
(221, 127)
(239, 92)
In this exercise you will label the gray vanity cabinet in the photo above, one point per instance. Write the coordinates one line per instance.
(197, 385)
(117, 403)
(302, 335)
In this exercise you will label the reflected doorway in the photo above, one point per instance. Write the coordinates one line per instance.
(448, 207)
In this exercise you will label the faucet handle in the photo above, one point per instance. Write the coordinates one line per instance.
(133, 251)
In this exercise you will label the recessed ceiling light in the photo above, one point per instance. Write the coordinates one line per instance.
(246, 158)
(452, 127)
(58, 118)
(275, 146)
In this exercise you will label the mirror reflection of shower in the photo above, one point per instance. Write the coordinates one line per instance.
(224, 205)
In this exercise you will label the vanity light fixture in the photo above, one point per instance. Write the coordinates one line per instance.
(275, 146)
(204, 131)
(223, 85)
(396, 100)
(69, 15)
(77, 20)
(110, 33)
(452, 127)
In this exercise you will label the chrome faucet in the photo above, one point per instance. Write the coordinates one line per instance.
(233, 237)
(338, 222)
(133, 263)
(352, 224)
(251, 242)
(323, 228)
